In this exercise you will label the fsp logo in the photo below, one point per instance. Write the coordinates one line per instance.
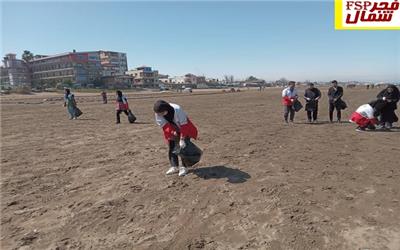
(364, 15)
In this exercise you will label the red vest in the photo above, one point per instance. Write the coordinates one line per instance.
(187, 130)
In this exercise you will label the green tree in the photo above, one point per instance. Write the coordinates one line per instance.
(251, 79)
(27, 56)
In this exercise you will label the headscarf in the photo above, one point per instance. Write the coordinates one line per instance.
(394, 95)
(120, 97)
(161, 106)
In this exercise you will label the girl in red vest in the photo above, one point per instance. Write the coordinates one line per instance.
(121, 104)
(177, 128)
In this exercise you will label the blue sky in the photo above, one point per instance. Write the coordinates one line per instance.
(292, 39)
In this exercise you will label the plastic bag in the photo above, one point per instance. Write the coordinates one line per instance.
(131, 117)
(77, 111)
(297, 106)
(190, 154)
(340, 104)
(311, 105)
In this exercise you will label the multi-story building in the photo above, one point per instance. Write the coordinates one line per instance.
(190, 78)
(78, 68)
(178, 79)
(144, 77)
(113, 63)
(14, 73)
(164, 78)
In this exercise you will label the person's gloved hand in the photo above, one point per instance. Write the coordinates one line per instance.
(384, 98)
(182, 143)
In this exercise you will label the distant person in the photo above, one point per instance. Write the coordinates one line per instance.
(366, 115)
(121, 105)
(391, 96)
(335, 94)
(70, 103)
(312, 95)
(104, 97)
(289, 96)
(177, 128)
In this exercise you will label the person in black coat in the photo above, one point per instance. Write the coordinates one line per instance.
(391, 96)
(335, 94)
(312, 95)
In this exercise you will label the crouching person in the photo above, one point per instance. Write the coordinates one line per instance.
(366, 115)
(177, 128)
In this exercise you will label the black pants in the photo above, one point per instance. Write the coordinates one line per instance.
(173, 158)
(332, 107)
(119, 112)
(313, 115)
(288, 110)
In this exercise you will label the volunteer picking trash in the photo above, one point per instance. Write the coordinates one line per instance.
(290, 102)
(335, 94)
(70, 103)
(123, 106)
(366, 116)
(178, 129)
(312, 95)
(104, 97)
(391, 95)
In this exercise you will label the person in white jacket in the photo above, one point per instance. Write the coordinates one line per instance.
(289, 96)
(177, 128)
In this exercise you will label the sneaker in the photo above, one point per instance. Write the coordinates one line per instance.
(388, 125)
(182, 171)
(359, 129)
(172, 170)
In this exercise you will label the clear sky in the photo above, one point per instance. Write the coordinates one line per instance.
(270, 40)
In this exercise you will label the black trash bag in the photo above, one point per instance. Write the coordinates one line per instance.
(131, 117)
(77, 112)
(297, 106)
(190, 154)
(340, 104)
(311, 105)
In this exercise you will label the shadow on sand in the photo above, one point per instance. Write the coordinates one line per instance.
(324, 123)
(217, 172)
(142, 122)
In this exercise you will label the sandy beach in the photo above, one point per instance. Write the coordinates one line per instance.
(92, 184)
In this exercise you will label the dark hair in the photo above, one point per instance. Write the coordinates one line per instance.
(161, 106)
(334, 81)
(291, 82)
(119, 92)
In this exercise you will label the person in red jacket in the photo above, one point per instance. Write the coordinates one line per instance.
(177, 128)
